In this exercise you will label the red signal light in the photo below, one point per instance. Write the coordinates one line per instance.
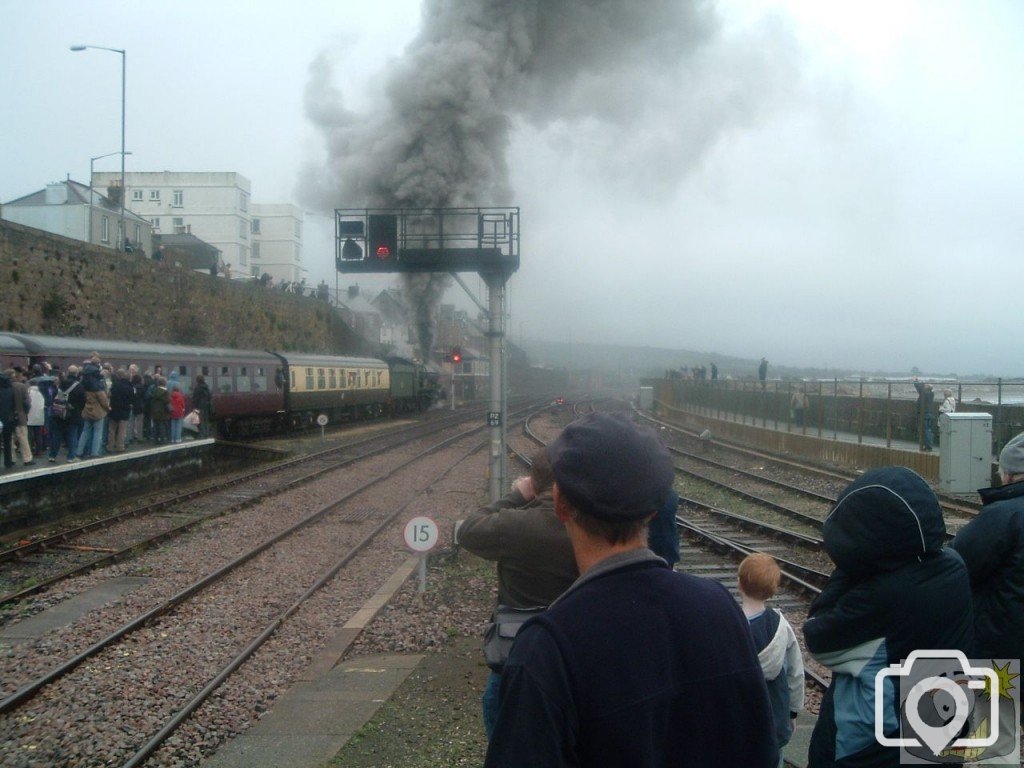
(383, 252)
(456, 355)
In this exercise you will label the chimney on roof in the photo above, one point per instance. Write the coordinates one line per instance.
(114, 192)
(56, 193)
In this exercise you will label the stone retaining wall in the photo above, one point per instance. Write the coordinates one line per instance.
(62, 287)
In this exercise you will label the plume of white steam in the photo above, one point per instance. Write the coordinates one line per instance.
(650, 83)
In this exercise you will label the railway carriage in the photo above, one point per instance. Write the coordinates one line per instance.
(341, 387)
(12, 352)
(242, 382)
(253, 392)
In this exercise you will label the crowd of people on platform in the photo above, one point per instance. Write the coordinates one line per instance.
(93, 409)
(603, 654)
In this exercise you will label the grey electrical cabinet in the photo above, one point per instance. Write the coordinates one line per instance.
(965, 452)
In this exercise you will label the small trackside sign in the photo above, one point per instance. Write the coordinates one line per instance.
(494, 418)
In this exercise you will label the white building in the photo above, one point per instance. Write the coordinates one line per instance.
(71, 209)
(276, 241)
(212, 206)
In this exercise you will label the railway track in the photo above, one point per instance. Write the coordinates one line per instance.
(296, 576)
(956, 511)
(34, 566)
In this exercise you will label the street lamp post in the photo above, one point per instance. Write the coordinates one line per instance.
(124, 60)
(93, 160)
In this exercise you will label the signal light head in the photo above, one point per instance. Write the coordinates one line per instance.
(383, 252)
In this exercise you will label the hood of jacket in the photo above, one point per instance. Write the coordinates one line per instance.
(884, 519)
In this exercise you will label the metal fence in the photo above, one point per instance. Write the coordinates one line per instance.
(852, 408)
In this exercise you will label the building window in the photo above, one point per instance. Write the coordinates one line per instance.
(243, 201)
(178, 221)
(105, 230)
(178, 198)
(243, 231)
(154, 195)
(138, 234)
(243, 255)
(298, 253)
(155, 222)
(136, 194)
(298, 230)
(256, 250)
(255, 226)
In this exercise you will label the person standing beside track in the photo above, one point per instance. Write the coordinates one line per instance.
(992, 546)
(97, 406)
(7, 418)
(159, 409)
(618, 671)
(925, 403)
(535, 559)
(121, 394)
(201, 401)
(66, 429)
(895, 589)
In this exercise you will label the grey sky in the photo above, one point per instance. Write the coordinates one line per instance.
(821, 183)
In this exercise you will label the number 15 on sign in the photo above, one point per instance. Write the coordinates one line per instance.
(421, 536)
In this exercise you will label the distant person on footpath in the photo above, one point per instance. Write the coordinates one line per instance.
(535, 561)
(762, 373)
(775, 641)
(925, 418)
(992, 546)
(714, 372)
(894, 590)
(948, 404)
(617, 672)
(798, 404)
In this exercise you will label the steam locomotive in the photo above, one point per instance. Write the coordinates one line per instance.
(254, 392)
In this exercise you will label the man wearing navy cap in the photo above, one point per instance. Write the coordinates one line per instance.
(634, 665)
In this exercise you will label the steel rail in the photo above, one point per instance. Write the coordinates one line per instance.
(27, 691)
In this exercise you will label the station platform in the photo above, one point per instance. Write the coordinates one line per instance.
(313, 720)
(45, 493)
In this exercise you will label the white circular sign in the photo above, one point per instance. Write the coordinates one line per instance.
(322, 419)
(421, 534)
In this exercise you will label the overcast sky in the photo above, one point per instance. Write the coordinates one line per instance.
(821, 183)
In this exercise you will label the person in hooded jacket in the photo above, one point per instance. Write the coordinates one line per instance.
(895, 590)
(992, 546)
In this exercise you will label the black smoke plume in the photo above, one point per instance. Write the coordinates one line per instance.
(649, 85)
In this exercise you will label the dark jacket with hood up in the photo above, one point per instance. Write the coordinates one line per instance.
(992, 545)
(895, 590)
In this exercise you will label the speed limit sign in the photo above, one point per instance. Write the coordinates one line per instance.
(421, 534)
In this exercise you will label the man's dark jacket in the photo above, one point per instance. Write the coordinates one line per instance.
(992, 546)
(635, 666)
